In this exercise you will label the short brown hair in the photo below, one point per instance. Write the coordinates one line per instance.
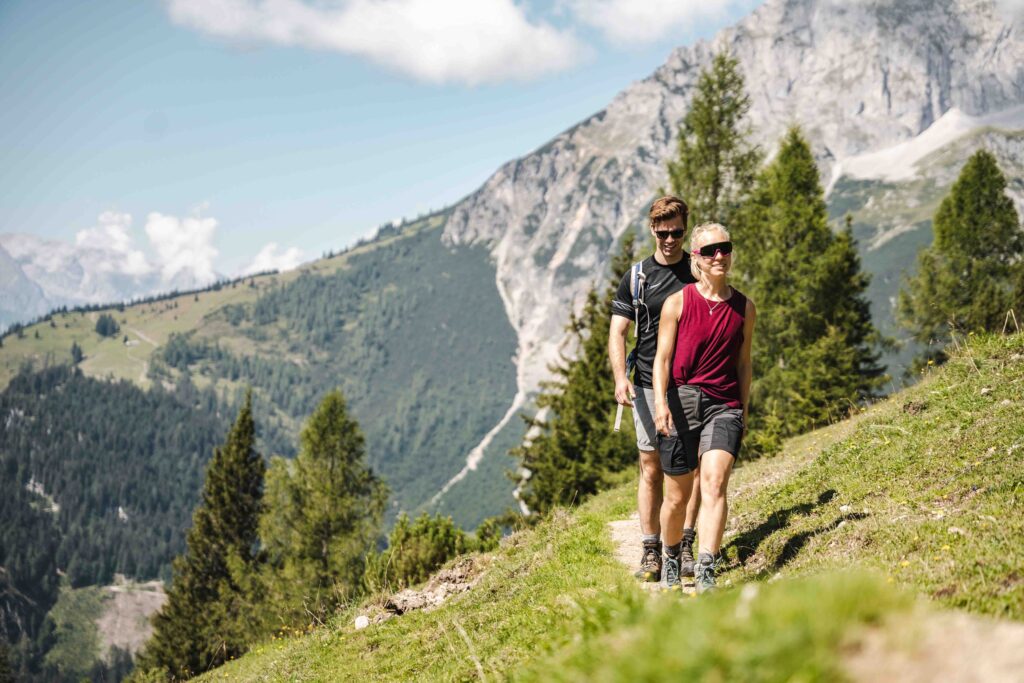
(668, 208)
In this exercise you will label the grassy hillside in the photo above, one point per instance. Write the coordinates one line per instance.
(915, 496)
(411, 329)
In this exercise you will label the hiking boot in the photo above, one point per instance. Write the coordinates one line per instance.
(686, 555)
(650, 563)
(672, 573)
(704, 573)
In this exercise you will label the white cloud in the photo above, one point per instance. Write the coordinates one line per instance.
(184, 246)
(269, 259)
(112, 246)
(455, 41)
(626, 22)
(1011, 9)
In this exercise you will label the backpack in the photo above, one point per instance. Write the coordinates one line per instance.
(637, 286)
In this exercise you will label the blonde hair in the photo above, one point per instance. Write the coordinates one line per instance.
(699, 232)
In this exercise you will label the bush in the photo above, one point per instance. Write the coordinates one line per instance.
(415, 550)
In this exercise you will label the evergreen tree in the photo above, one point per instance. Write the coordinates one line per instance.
(204, 621)
(106, 326)
(573, 451)
(716, 165)
(76, 353)
(972, 274)
(815, 350)
(323, 514)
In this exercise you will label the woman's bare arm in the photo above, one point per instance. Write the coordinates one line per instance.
(668, 327)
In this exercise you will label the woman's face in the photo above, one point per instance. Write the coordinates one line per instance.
(717, 265)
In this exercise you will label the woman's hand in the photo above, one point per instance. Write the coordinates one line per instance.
(663, 418)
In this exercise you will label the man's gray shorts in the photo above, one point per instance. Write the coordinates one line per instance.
(643, 418)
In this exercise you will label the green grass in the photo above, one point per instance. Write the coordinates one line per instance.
(932, 478)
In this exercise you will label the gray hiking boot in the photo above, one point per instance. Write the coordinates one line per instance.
(650, 563)
(704, 573)
(686, 554)
(672, 573)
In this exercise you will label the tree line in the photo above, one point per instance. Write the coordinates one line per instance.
(277, 549)
(816, 354)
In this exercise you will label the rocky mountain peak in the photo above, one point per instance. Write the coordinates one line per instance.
(857, 76)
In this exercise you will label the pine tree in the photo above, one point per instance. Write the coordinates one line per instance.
(574, 452)
(323, 515)
(972, 273)
(815, 349)
(204, 621)
(716, 165)
(76, 353)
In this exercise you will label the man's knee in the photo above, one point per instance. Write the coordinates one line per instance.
(650, 469)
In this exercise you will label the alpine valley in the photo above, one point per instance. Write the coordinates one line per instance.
(439, 331)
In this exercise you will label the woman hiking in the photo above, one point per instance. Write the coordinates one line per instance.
(702, 376)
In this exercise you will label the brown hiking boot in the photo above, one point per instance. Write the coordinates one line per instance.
(650, 563)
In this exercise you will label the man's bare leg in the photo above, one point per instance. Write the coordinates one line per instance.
(649, 493)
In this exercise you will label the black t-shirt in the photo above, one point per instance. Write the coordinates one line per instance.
(662, 282)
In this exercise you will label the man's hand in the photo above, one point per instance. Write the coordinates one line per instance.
(624, 393)
(663, 418)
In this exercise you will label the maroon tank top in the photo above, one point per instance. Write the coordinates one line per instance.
(708, 345)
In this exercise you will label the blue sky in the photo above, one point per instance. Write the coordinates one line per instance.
(305, 125)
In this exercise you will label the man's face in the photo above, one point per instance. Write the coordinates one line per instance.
(665, 233)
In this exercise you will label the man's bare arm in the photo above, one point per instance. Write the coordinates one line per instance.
(617, 333)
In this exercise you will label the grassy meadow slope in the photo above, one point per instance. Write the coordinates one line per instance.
(412, 330)
(918, 495)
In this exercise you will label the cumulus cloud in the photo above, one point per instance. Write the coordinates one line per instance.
(626, 22)
(455, 41)
(184, 246)
(269, 258)
(112, 246)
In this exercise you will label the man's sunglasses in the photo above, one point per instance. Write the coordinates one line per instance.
(709, 250)
(676, 234)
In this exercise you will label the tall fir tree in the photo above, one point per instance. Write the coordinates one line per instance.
(205, 620)
(972, 273)
(323, 516)
(816, 351)
(716, 165)
(573, 451)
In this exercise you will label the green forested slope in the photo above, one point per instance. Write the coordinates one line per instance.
(413, 332)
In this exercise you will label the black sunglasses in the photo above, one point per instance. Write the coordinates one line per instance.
(709, 250)
(675, 234)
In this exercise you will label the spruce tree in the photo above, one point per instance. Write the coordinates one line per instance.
(716, 165)
(972, 273)
(323, 515)
(204, 621)
(815, 351)
(573, 451)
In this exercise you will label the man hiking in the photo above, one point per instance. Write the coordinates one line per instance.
(638, 303)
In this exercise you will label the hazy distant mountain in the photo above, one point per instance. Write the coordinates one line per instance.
(67, 274)
(20, 298)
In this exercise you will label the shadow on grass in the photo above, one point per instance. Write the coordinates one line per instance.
(796, 543)
(747, 543)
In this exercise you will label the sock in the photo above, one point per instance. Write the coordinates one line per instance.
(705, 558)
(672, 550)
(651, 539)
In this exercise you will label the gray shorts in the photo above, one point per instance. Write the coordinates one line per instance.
(643, 418)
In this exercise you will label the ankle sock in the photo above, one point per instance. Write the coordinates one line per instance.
(651, 539)
(673, 550)
(705, 558)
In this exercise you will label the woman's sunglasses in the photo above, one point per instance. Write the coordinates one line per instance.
(674, 234)
(709, 250)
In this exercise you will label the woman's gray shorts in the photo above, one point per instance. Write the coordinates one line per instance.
(702, 424)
